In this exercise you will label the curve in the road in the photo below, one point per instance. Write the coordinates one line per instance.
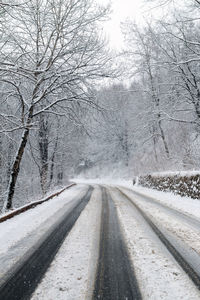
(115, 278)
(179, 258)
(26, 277)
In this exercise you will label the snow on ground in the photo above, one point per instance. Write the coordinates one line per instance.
(184, 231)
(14, 209)
(172, 173)
(19, 234)
(159, 276)
(105, 181)
(21, 225)
(72, 273)
(185, 204)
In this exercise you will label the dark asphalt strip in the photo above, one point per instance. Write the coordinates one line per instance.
(115, 278)
(179, 258)
(26, 277)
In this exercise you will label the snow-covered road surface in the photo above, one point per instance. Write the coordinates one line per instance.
(19, 234)
(159, 274)
(79, 271)
(69, 276)
(36, 246)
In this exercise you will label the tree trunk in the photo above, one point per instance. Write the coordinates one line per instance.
(17, 162)
(60, 173)
(154, 148)
(60, 177)
(157, 104)
(126, 146)
(163, 138)
(9, 160)
(53, 163)
(1, 171)
(51, 170)
(44, 152)
(43, 178)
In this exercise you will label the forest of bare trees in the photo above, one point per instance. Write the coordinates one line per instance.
(154, 121)
(50, 53)
(60, 119)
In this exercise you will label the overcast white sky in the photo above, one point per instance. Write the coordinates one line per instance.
(137, 10)
(121, 10)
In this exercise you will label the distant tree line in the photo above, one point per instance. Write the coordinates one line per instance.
(153, 124)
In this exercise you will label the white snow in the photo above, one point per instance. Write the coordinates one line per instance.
(182, 230)
(20, 233)
(105, 181)
(185, 204)
(72, 273)
(171, 173)
(2, 213)
(159, 276)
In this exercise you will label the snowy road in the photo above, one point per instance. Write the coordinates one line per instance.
(115, 278)
(122, 245)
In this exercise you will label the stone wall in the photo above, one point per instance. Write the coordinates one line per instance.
(187, 185)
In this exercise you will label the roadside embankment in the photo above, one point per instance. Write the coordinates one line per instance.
(26, 207)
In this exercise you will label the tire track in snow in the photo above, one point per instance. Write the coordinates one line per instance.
(182, 234)
(26, 277)
(175, 253)
(192, 221)
(115, 278)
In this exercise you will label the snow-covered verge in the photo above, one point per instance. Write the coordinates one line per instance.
(186, 205)
(19, 234)
(158, 274)
(72, 273)
(7, 215)
(183, 183)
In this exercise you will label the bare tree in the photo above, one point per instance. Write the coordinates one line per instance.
(143, 56)
(49, 53)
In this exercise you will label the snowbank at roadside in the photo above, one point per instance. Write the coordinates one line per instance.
(185, 204)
